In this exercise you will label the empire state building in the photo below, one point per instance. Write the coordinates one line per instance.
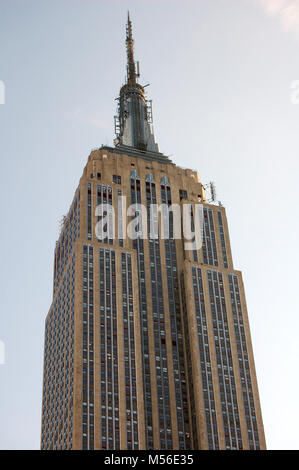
(147, 342)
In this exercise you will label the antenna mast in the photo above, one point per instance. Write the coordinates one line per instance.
(131, 78)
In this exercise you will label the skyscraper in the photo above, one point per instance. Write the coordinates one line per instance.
(147, 342)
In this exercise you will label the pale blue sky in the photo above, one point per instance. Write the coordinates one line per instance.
(220, 74)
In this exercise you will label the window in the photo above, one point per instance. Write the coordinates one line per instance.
(183, 194)
(99, 176)
(116, 179)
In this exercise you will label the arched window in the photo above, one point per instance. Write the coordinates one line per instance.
(134, 175)
(149, 177)
(164, 181)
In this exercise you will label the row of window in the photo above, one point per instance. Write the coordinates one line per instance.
(209, 247)
(222, 239)
(205, 360)
(69, 234)
(57, 408)
(176, 329)
(189, 371)
(162, 378)
(88, 350)
(115, 178)
(129, 351)
(138, 245)
(243, 360)
(226, 375)
(104, 196)
(225, 369)
(110, 435)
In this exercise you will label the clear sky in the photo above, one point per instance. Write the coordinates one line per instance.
(220, 74)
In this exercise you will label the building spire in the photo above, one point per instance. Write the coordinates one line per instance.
(133, 123)
(131, 71)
